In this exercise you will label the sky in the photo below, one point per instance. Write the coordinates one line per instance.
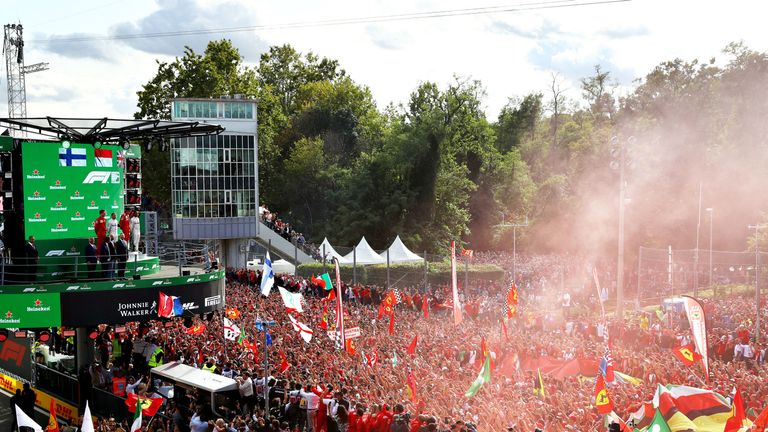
(511, 53)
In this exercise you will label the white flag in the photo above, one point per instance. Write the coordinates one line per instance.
(304, 331)
(267, 277)
(24, 420)
(231, 331)
(87, 420)
(292, 300)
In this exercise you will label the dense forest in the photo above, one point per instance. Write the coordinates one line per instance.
(435, 168)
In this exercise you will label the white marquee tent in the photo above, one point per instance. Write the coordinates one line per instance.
(398, 253)
(331, 253)
(364, 255)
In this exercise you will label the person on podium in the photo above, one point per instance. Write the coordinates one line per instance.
(100, 226)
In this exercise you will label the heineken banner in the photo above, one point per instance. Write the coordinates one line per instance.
(30, 310)
(64, 188)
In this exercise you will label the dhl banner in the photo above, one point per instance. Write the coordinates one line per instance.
(64, 410)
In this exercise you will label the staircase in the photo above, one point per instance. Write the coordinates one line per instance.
(281, 247)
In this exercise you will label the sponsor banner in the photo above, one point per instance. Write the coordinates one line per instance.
(31, 310)
(120, 304)
(63, 410)
(698, 324)
(64, 188)
(215, 277)
(15, 355)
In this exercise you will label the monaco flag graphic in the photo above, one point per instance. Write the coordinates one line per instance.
(103, 158)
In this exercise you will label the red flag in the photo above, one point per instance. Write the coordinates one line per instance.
(331, 296)
(392, 323)
(149, 406)
(196, 329)
(232, 313)
(602, 400)
(504, 331)
(412, 347)
(53, 425)
(425, 306)
(372, 359)
(762, 420)
(687, 354)
(251, 346)
(411, 388)
(734, 423)
(387, 306)
(349, 346)
(284, 365)
(324, 317)
(317, 281)
(467, 252)
(512, 300)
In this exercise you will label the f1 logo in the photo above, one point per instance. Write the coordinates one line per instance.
(101, 177)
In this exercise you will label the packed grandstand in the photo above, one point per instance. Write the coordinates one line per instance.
(523, 357)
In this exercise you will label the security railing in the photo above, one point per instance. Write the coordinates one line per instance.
(173, 259)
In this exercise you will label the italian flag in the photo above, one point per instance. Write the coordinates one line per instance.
(483, 377)
(136, 425)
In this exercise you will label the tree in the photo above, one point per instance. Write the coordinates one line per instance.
(218, 71)
(518, 120)
(284, 70)
(598, 93)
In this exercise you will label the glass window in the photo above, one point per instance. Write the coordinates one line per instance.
(249, 111)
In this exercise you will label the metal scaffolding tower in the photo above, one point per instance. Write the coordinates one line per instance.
(13, 48)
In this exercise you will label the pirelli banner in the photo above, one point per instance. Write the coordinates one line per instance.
(117, 306)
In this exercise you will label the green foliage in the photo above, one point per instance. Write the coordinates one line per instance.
(406, 274)
(434, 169)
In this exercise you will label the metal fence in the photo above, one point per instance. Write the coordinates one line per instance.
(184, 257)
(666, 272)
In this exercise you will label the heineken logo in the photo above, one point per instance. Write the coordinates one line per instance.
(76, 196)
(77, 217)
(36, 197)
(38, 307)
(9, 319)
(35, 175)
(58, 207)
(57, 186)
(92, 206)
(37, 218)
(104, 197)
(59, 228)
(77, 193)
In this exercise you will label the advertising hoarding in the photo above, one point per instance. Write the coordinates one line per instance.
(65, 187)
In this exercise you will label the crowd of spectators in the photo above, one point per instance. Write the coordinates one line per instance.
(446, 360)
(285, 230)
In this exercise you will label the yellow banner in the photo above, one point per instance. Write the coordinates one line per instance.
(64, 410)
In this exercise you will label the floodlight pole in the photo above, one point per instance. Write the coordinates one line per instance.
(265, 325)
(757, 227)
(711, 212)
(514, 226)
